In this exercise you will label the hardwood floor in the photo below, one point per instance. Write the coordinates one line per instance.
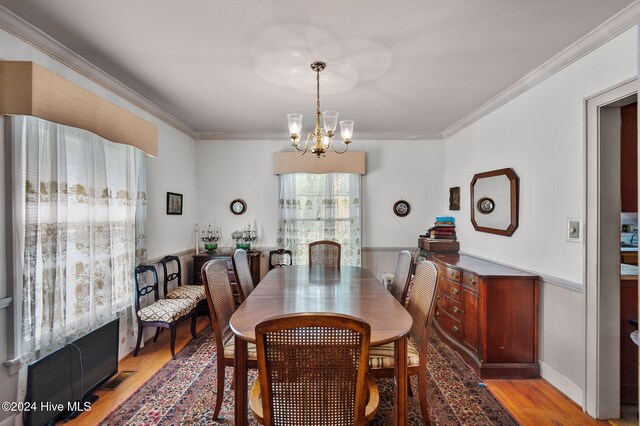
(536, 402)
(531, 402)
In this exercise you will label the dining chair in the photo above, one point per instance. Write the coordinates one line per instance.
(279, 258)
(215, 277)
(162, 313)
(313, 370)
(324, 252)
(242, 272)
(400, 283)
(420, 307)
(188, 291)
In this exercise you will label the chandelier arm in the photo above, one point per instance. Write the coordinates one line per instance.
(346, 147)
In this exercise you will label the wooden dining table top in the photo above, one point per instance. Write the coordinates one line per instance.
(349, 290)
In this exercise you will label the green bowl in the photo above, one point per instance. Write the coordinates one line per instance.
(210, 247)
(245, 246)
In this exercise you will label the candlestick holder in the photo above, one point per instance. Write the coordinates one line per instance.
(210, 240)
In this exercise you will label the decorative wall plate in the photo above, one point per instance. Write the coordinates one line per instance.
(401, 208)
(486, 205)
(238, 206)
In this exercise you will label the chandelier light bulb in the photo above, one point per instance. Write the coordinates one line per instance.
(346, 129)
(295, 125)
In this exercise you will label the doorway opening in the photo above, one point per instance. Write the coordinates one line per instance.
(612, 200)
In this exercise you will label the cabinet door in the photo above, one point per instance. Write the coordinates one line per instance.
(470, 336)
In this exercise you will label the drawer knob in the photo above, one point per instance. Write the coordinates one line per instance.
(456, 310)
(472, 281)
(455, 275)
(455, 291)
(455, 329)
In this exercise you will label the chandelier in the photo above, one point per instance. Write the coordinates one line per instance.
(321, 137)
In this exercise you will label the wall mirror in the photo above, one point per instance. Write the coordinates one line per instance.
(494, 201)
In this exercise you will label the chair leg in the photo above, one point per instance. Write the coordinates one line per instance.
(172, 328)
(158, 330)
(139, 340)
(220, 390)
(194, 316)
(422, 393)
(409, 388)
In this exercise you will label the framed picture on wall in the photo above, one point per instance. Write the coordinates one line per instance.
(174, 203)
(454, 198)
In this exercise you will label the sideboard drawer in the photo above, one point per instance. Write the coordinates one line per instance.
(452, 307)
(451, 289)
(450, 325)
(470, 280)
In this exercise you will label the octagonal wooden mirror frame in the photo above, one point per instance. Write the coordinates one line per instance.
(502, 189)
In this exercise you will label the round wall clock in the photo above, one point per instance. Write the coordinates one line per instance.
(486, 205)
(401, 208)
(238, 206)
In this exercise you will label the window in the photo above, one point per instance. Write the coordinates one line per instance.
(82, 200)
(320, 207)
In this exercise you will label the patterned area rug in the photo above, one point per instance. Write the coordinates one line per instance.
(183, 392)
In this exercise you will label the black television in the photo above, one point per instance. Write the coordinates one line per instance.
(60, 384)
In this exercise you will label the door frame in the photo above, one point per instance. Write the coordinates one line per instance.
(602, 303)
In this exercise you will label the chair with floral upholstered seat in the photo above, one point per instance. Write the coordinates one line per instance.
(420, 306)
(193, 292)
(215, 276)
(162, 313)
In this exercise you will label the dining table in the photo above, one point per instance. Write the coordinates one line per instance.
(349, 290)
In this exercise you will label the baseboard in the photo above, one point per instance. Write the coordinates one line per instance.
(562, 383)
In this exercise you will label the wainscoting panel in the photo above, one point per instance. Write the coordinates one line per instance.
(381, 260)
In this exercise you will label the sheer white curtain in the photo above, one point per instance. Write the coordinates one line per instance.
(83, 200)
(316, 207)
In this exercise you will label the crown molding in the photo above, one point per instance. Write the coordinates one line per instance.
(606, 31)
(362, 136)
(35, 37)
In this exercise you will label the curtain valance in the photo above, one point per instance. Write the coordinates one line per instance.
(29, 89)
(291, 162)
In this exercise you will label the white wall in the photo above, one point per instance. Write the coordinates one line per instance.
(173, 170)
(541, 135)
(410, 170)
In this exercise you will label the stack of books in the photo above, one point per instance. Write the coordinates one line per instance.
(443, 229)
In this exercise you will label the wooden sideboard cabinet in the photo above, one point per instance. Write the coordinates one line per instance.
(201, 259)
(488, 313)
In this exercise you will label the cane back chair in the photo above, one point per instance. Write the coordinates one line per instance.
(420, 307)
(215, 276)
(324, 252)
(400, 284)
(312, 370)
(242, 272)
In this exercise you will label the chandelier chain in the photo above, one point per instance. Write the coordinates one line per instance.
(318, 90)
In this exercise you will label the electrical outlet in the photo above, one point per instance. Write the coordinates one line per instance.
(574, 230)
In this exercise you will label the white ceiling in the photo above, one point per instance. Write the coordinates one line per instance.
(411, 66)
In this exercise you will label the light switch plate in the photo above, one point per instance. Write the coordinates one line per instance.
(574, 230)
